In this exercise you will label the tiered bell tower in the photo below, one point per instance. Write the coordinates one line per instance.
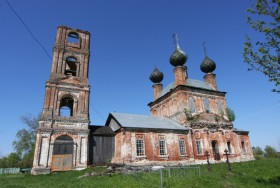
(62, 137)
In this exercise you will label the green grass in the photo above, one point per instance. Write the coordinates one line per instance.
(260, 173)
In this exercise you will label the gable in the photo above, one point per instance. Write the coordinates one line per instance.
(114, 125)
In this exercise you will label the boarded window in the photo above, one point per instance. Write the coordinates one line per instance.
(199, 147)
(140, 147)
(182, 147)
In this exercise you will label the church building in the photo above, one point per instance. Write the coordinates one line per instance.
(189, 118)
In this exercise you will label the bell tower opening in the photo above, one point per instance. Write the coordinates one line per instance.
(66, 106)
(71, 66)
(73, 38)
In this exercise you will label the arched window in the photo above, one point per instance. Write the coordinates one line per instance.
(63, 145)
(71, 66)
(206, 105)
(66, 107)
(191, 106)
(73, 38)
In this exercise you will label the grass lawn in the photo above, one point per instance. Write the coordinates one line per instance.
(260, 173)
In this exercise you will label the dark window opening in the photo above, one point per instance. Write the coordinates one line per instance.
(71, 66)
(229, 147)
(66, 107)
(73, 38)
(243, 146)
(215, 150)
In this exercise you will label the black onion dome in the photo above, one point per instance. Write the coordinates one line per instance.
(207, 65)
(178, 58)
(156, 76)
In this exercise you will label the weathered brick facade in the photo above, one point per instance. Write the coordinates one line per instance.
(194, 104)
(188, 118)
(66, 90)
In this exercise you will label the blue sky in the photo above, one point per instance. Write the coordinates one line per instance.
(128, 38)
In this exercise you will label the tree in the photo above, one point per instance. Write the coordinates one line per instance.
(25, 140)
(230, 114)
(264, 55)
(12, 160)
(258, 152)
(270, 151)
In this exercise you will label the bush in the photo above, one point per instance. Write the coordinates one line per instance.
(270, 152)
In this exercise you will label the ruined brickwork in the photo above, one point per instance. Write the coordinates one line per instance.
(126, 147)
(199, 106)
(188, 117)
(62, 137)
(196, 105)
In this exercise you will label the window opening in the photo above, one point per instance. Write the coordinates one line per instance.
(182, 147)
(71, 66)
(192, 105)
(63, 145)
(73, 38)
(206, 105)
(243, 146)
(140, 147)
(199, 147)
(162, 146)
(229, 147)
(66, 107)
(215, 150)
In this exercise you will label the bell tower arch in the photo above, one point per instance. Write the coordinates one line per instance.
(66, 104)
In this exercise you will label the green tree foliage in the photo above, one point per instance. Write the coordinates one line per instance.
(258, 152)
(25, 140)
(12, 160)
(230, 114)
(270, 151)
(264, 55)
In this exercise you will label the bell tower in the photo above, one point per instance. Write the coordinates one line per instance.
(62, 136)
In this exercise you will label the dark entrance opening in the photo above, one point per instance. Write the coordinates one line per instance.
(62, 154)
(215, 150)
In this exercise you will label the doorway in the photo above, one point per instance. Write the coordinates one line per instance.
(62, 154)
(215, 150)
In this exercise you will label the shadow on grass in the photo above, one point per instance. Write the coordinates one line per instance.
(270, 180)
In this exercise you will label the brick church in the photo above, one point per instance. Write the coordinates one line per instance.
(188, 117)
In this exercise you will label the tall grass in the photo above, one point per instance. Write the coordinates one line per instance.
(260, 173)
